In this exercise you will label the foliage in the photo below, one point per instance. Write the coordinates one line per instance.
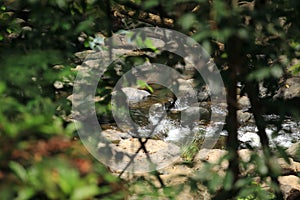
(63, 182)
(190, 151)
(37, 40)
(254, 177)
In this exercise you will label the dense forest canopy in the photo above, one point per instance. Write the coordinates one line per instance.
(43, 44)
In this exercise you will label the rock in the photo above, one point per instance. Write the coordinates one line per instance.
(249, 138)
(290, 90)
(290, 187)
(114, 136)
(243, 116)
(294, 151)
(118, 156)
(196, 113)
(189, 193)
(244, 102)
(245, 154)
(173, 177)
(263, 91)
(176, 175)
(288, 168)
(83, 54)
(135, 95)
(211, 156)
(58, 84)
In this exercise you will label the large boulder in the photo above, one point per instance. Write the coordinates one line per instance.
(211, 156)
(114, 136)
(290, 187)
(132, 95)
(294, 151)
(135, 95)
(118, 156)
(288, 168)
(291, 89)
(176, 175)
(80, 56)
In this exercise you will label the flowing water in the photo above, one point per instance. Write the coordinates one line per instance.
(159, 116)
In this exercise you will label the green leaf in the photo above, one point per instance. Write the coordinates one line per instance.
(25, 193)
(283, 154)
(149, 44)
(143, 84)
(110, 178)
(187, 20)
(150, 4)
(206, 45)
(83, 26)
(247, 193)
(261, 166)
(139, 41)
(243, 33)
(224, 55)
(259, 74)
(68, 179)
(9, 31)
(243, 182)
(215, 182)
(85, 192)
(61, 3)
(19, 170)
(78, 7)
(276, 71)
(86, 44)
(228, 181)
(295, 69)
(2, 87)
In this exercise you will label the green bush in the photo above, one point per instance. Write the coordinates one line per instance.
(38, 159)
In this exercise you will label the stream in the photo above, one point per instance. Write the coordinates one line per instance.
(158, 116)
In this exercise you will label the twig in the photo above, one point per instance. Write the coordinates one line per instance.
(143, 147)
